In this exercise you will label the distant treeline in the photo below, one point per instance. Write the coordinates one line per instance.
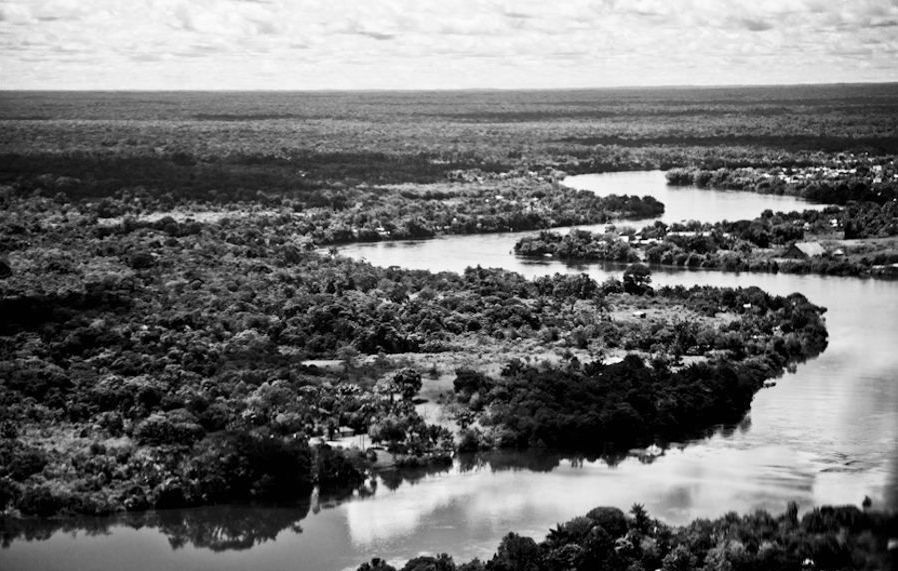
(791, 143)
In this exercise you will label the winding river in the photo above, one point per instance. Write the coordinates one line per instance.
(827, 433)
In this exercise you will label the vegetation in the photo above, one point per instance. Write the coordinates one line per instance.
(162, 294)
(602, 406)
(848, 179)
(830, 537)
(393, 213)
(318, 151)
(382, 138)
(857, 239)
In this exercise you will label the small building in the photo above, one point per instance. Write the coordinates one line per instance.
(639, 314)
(804, 250)
(345, 432)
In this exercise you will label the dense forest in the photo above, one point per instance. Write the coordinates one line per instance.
(230, 146)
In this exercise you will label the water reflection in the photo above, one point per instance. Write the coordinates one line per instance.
(217, 528)
(227, 528)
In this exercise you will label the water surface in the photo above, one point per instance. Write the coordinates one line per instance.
(687, 202)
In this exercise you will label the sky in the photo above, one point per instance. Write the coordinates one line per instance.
(442, 44)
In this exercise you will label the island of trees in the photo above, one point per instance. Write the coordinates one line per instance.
(858, 239)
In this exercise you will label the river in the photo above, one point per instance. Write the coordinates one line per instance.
(827, 433)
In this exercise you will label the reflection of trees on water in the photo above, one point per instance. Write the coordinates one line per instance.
(219, 528)
(12, 529)
(392, 479)
(224, 528)
(534, 460)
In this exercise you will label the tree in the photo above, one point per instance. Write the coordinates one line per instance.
(637, 279)
(407, 383)
(642, 521)
(611, 519)
(377, 564)
(516, 553)
(679, 559)
(348, 354)
(441, 562)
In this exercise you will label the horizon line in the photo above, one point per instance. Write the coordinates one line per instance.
(447, 89)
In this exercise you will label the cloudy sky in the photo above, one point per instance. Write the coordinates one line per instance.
(408, 44)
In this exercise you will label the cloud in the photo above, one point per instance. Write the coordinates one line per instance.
(756, 25)
(265, 28)
(60, 10)
(146, 57)
(15, 14)
(374, 35)
(479, 43)
(184, 19)
(67, 50)
(200, 51)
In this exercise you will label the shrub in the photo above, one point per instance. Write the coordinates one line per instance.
(176, 427)
(611, 519)
(239, 465)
